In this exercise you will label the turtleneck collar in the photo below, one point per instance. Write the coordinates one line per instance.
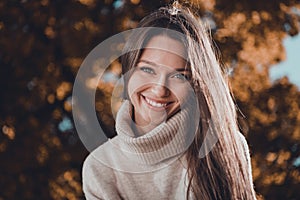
(167, 140)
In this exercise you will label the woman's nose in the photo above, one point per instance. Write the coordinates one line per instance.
(160, 90)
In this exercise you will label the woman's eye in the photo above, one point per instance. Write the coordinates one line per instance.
(180, 76)
(147, 70)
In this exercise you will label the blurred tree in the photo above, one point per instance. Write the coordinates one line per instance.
(43, 43)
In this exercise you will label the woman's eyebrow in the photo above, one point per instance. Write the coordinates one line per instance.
(185, 69)
(149, 62)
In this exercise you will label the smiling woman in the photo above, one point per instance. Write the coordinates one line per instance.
(177, 135)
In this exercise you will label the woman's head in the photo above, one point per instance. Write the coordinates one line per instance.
(159, 43)
(180, 24)
(166, 24)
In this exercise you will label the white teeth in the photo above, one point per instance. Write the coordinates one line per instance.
(155, 104)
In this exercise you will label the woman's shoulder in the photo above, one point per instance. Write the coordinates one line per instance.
(95, 159)
(92, 162)
(99, 180)
(107, 158)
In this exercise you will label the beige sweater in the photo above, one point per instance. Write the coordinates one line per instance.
(151, 166)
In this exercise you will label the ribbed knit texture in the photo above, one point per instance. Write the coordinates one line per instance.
(165, 141)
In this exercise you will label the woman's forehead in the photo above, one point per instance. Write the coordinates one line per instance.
(167, 44)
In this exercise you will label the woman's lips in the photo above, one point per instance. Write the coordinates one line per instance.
(156, 104)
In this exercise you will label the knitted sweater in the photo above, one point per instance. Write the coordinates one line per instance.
(151, 166)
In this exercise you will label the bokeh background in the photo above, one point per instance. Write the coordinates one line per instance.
(43, 43)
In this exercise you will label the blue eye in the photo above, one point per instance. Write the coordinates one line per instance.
(147, 70)
(180, 76)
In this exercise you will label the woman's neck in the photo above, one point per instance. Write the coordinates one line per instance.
(140, 126)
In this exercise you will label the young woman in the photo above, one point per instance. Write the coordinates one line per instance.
(177, 131)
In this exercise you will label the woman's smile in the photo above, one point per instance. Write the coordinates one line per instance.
(154, 103)
(158, 105)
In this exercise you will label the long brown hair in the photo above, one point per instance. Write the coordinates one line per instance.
(223, 172)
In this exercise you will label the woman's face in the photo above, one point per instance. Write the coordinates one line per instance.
(159, 82)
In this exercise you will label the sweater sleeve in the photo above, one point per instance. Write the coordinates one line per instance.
(98, 180)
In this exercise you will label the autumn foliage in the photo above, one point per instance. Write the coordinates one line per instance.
(43, 43)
